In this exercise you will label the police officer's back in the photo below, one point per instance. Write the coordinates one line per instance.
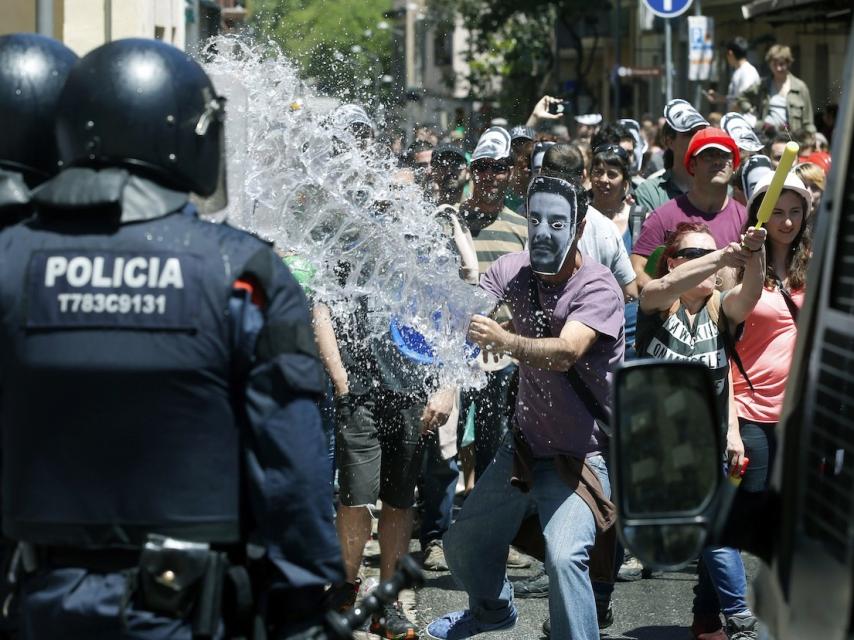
(158, 376)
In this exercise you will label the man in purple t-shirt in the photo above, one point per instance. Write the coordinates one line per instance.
(711, 158)
(567, 313)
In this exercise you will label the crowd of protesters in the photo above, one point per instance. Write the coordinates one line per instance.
(613, 241)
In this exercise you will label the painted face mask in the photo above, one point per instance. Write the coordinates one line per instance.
(552, 223)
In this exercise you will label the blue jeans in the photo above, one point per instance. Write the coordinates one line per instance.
(494, 405)
(326, 406)
(476, 545)
(722, 585)
(437, 487)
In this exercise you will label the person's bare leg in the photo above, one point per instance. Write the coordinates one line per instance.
(354, 530)
(395, 530)
(467, 462)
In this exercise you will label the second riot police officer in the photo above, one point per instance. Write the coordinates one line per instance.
(163, 464)
(32, 71)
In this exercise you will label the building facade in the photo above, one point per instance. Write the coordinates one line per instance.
(85, 24)
(431, 65)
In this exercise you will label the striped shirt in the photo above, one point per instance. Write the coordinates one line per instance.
(506, 234)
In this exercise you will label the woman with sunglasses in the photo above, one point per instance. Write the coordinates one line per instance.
(683, 317)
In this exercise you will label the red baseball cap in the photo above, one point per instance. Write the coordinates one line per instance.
(711, 138)
(820, 158)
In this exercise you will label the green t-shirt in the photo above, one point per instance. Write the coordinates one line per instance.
(302, 270)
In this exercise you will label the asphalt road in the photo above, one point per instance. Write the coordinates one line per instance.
(658, 608)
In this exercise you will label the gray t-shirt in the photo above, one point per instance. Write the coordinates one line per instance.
(553, 419)
(602, 241)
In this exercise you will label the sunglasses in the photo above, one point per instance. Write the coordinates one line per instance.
(612, 148)
(490, 168)
(691, 253)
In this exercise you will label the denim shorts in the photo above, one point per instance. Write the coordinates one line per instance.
(378, 447)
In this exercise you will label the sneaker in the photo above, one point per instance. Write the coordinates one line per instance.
(458, 625)
(341, 597)
(742, 626)
(630, 570)
(393, 624)
(536, 586)
(518, 560)
(434, 557)
(707, 627)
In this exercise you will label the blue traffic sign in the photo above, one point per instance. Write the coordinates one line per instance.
(668, 8)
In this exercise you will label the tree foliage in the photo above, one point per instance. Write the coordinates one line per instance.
(515, 40)
(337, 43)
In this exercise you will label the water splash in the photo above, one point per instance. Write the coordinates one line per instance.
(308, 185)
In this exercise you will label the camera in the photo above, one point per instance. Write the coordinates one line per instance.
(558, 106)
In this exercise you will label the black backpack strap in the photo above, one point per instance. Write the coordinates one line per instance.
(729, 341)
(578, 385)
(787, 297)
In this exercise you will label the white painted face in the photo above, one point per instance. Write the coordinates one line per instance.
(552, 222)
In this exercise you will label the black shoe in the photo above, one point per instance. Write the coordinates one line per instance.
(341, 597)
(604, 615)
(393, 624)
(536, 586)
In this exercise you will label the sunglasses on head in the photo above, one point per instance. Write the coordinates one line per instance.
(691, 253)
(612, 148)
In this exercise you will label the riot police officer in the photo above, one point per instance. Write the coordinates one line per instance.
(162, 449)
(32, 71)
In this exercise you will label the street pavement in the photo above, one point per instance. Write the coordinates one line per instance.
(658, 608)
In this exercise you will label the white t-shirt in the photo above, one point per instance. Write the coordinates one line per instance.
(603, 242)
(742, 78)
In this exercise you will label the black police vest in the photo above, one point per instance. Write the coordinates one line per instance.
(117, 381)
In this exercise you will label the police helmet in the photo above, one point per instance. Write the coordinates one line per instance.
(33, 69)
(146, 106)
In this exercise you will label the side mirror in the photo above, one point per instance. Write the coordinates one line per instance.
(667, 460)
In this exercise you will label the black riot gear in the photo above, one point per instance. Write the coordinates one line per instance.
(171, 478)
(32, 71)
(147, 106)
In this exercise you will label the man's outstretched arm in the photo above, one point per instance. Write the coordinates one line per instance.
(551, 354)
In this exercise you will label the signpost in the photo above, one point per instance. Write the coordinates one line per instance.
(668, 9)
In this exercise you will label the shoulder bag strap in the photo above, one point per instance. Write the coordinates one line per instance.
(716, 313)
